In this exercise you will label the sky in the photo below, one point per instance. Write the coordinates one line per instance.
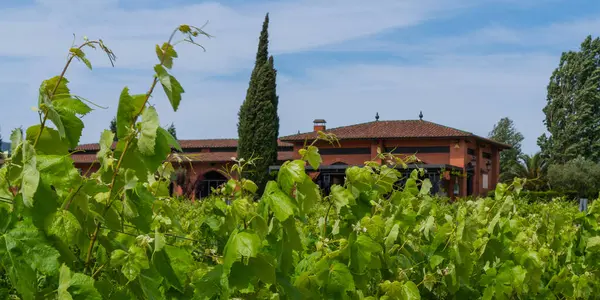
(464, 63)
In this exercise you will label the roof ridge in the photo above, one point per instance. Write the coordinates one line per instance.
(453, 128)
(333, 128)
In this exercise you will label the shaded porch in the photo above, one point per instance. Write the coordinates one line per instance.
(443, 180)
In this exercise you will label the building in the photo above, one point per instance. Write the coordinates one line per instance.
(457, 162)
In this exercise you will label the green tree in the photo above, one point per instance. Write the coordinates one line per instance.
(171, 129)
(505, 132)
(533, 168)
(258, 126)
(113, 127)
(573, 106)
(579, 175)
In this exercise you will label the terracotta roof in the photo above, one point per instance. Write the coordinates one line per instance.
(390, 130)
(194, 157)
(187, 144)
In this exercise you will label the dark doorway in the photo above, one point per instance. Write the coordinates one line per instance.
(469, 184)
(210, 180)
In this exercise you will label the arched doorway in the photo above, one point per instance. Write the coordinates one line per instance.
(210, 180)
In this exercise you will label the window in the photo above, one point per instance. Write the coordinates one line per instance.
(484, 181)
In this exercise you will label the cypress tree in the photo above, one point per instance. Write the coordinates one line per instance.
(258, 125)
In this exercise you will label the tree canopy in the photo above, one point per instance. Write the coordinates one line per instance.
(258, 126)
(573, 106)
(505, 132)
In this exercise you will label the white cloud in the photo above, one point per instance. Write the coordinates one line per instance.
(470, 92)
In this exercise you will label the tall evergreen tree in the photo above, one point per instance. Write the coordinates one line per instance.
(171, 129)
(505, 132)
(258, 126)
(573, 106)
(113, 127)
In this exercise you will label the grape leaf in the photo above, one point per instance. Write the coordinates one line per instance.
(31, 175)
(127, 112)
(49, 141)
(76, 286)
(341, 197)
(131, 262)
(149, 126)
(337, 278)
(170, 85)
(64, 225)
(290, 173)
(241, 244)
(171, 141)
(165, 54)
(312, 156)
(280, 203)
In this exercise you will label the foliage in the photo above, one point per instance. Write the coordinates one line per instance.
(118, 235)
(544, 196)
(172, 130)
(532, 168)
(258, 126)
(71, 237)
(505, 132)
(580, 175)
(573, 106)
(113, 127)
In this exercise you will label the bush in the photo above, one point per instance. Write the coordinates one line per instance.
(579, 175)
(543, 196)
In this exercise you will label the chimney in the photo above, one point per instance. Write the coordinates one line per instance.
(319, 125)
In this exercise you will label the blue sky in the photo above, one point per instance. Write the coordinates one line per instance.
(464, 63)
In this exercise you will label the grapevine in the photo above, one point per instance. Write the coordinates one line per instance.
(118, 234)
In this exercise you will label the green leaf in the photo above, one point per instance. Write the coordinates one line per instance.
(242, 244)
(105, 153)
(138, 207)
(16, 137)
(129, 108)
(361, 178)
(165, 54)
(425, 187)
(209, 284)
(77, 52)
(72, 105)
(149, 126)
(73, 127)
(249, 186)
(337, 278)
(58, 171)
(131, 262)
(31, 176)
(76, 286)
(392, 236)
(593, 244)
(365, 253)
(170, 85)
(290, 173)
(280, 203)
(49, 141)
(26, 242)
(410, 291)
(435, 260)
(312, 156)
(307, 194)
(170, 139)
(64, 225)
(341, 197)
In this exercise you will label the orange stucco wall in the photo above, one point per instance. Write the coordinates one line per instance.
(458, 156)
